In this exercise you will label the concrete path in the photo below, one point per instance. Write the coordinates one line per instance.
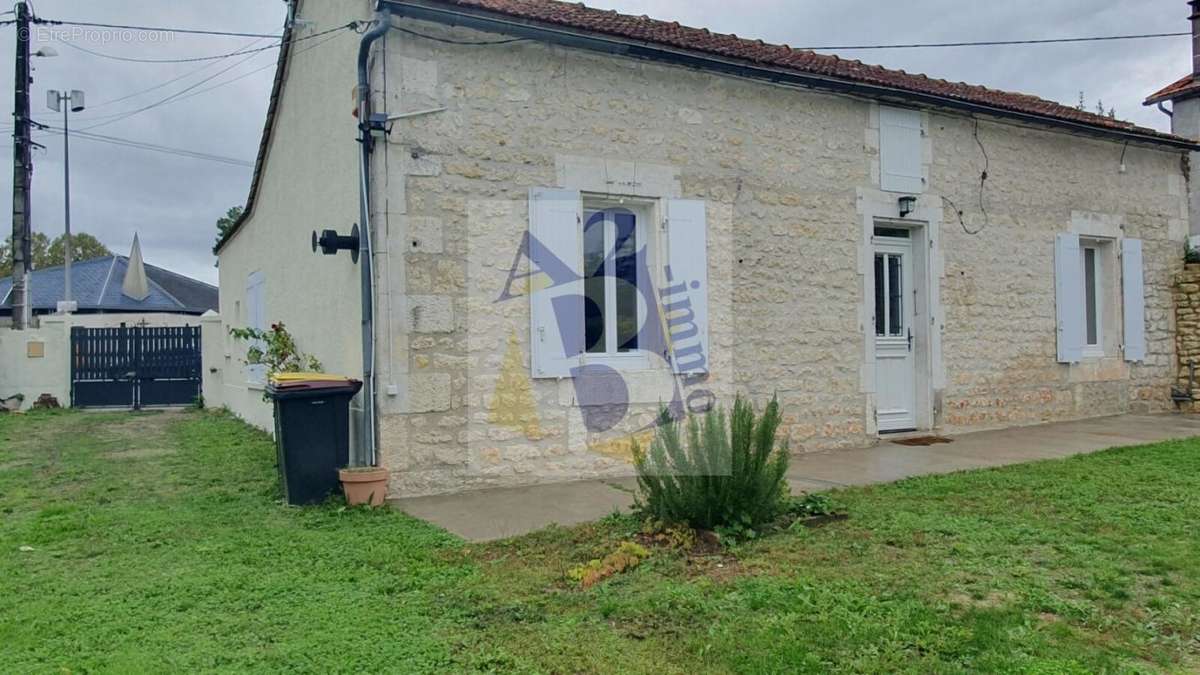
(494, 514)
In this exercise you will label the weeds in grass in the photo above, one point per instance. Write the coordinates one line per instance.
(627, 556)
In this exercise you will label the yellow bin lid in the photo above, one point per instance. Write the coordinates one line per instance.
(308, 377)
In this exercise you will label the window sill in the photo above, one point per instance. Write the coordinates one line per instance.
(649, 384)
(631, 363)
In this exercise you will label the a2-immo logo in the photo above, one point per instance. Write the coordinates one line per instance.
(667, 332)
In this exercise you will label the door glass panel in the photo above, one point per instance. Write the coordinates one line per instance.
(880, 301)
(891, 232)
(594, 291)
(625, 259)
(895, 296)
(1089, 291)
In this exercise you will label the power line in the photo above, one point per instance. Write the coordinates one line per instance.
(186, 94)
(131, 59)
(191, 90)
(153, 147)
(451, 41)
(173, 80)
(213, 57)
(992, 43)
(156, 29)
(116, 117)
(252, 72)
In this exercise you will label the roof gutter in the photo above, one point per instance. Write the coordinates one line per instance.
(367, 431)
(500, 23)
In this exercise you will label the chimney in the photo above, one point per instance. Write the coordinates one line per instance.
(135, 285)
(1195, 19)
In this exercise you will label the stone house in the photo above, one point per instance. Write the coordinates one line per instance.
(576, 216)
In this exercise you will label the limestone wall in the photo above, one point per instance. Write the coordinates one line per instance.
(784, 174)
(1187, 320)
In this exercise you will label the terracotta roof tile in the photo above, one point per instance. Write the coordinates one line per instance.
(672, 34)
(1184, 85)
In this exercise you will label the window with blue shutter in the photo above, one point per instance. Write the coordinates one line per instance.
(1134, 300)
(556, 308)
(601, 273)
(685, 297)
(1068, 297)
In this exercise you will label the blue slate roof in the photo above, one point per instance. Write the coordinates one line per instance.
(96, 286)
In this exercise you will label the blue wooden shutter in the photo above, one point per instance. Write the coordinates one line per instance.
(1133, 299)
(556, 287)
(1068, 297)
(685, 298)
(900, 151)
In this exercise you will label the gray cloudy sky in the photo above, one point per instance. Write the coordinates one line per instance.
(173, 202)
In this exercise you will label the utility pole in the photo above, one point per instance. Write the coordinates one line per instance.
(69, 102)
(22, 175)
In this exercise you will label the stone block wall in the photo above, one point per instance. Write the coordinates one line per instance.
(1187, 321)
(780, 170)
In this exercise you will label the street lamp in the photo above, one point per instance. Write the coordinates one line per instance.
(68, 103)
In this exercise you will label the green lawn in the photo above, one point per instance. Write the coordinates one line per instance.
(158, 543)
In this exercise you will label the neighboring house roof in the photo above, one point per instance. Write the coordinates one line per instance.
(1184, 86)
(821, 69)
(96, 287)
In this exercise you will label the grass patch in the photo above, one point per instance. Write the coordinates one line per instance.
(159, 542)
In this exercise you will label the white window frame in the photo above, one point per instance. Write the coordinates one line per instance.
(649, 227)
(1091, 349)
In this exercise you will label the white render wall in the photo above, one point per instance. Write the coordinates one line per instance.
(781, 171)
(310, 183)
(49, 373)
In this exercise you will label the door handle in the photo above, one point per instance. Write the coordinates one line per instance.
(910, 338)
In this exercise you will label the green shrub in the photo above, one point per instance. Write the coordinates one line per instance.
(722, 477)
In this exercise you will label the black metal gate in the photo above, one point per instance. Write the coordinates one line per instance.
(131, 367)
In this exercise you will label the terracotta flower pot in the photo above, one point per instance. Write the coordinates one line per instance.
(364, 485)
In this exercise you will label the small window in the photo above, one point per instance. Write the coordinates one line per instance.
(612, 239)
(1100, 335)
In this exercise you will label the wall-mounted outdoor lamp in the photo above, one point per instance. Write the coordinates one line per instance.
(331, 242)
(908, 204)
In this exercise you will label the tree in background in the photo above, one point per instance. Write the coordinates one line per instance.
(225, 224)
(38, 245)
(47, 253)
(83, 247)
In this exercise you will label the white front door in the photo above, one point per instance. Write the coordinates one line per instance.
(895, 366)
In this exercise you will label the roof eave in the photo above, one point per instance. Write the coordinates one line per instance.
(478, 19)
